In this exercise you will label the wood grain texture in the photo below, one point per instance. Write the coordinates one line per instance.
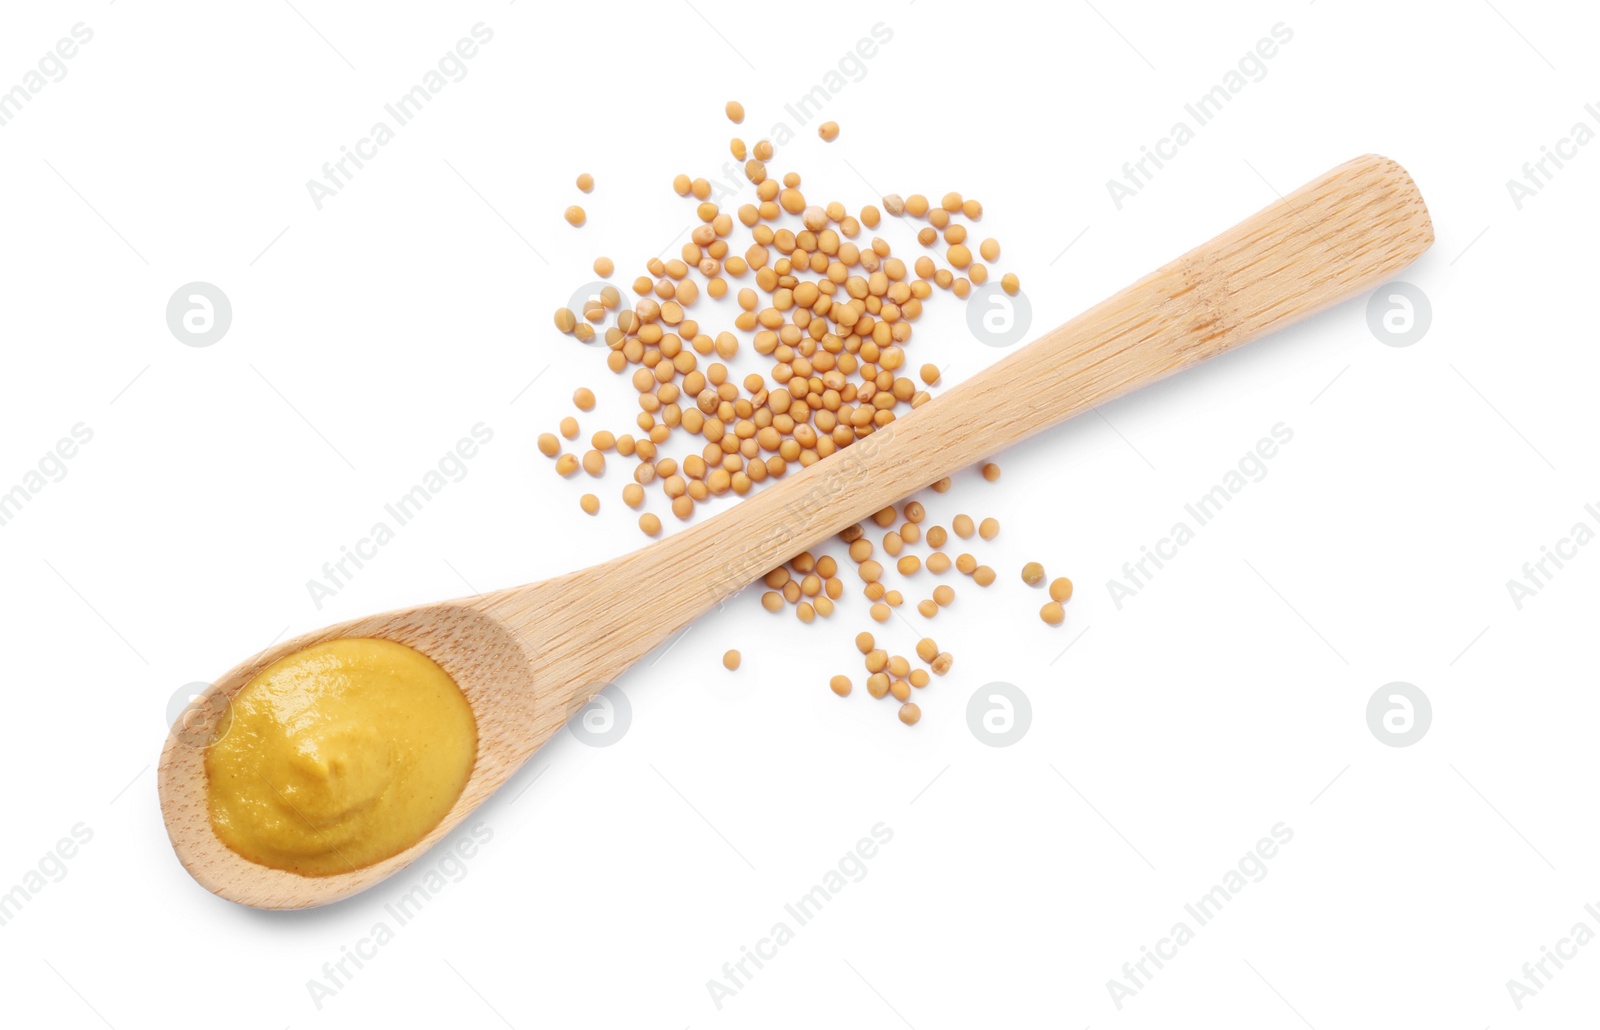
(527, 658)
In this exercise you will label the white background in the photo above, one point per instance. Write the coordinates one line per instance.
(1228, 696)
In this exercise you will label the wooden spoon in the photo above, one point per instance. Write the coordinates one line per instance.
(529, 657)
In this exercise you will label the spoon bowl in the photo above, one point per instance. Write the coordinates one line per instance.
(492, 667)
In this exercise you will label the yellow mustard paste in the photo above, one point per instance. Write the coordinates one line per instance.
(339, 756)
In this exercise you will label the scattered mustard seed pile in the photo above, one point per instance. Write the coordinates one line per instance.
(810, 584)
(834, 317)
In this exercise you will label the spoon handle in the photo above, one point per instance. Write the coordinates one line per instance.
(1343, 233)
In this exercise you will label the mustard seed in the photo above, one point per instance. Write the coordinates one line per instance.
(1033, 574)
(1009, 283)
(877, 658)
(944, 595)
(900, 690)
(990, 471)
(603, 267)
(942, 663)
(583, 397)
(633, 495)
(864, 643)
(909, 565)
(829, 131)
(983, 575)
(989, 249)
(878, 684)
(937, 537)
(840, 685)
(549, 446)
(585, 182)
(918, 678)
(566, 465)
(930, 374)
(910, 713)
(927, 650)
(1052, 613)
(772, 601)
(575, 216)
(1061, 589)
(650, 524)
(735, 111)
(966, 564)
(927, 608)
(880, 612)
(962, 526)
(938, 563)
(730, 660)
(594, 463)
